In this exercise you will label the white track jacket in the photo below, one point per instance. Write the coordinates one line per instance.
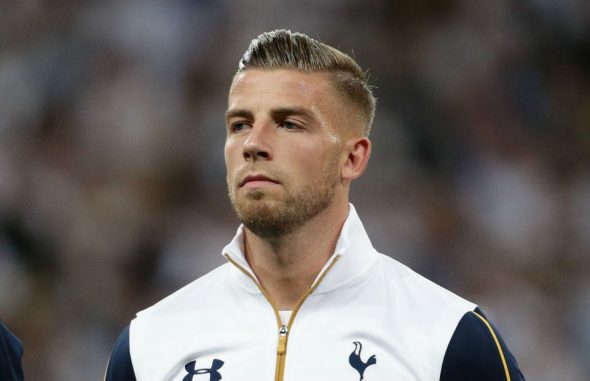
(366, 317)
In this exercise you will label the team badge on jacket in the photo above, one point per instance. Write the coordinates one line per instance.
(214, 375)
(357, 362)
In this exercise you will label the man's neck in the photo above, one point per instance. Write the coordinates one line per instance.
(287, 266)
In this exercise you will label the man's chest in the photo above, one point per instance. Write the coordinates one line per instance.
(318, 348)
(372, 331)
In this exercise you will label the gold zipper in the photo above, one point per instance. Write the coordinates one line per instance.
(281, 353)
(283, 330)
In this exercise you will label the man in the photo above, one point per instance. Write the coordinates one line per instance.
(11, 353)
(304, 296)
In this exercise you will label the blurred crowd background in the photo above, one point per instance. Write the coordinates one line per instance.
(112, 177)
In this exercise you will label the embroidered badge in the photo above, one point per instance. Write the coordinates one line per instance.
(357, 362)
(214, 375)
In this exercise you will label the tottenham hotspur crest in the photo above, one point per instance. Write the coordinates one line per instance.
(357, 362)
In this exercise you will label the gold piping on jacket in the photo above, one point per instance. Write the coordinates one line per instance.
(497, 344)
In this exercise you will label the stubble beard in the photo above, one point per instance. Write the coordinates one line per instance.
(272, 219)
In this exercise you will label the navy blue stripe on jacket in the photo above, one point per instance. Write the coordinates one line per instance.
(120, 367)
(478, 352)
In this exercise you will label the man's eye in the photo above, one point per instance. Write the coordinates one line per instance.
(289, 125)
(238, 126)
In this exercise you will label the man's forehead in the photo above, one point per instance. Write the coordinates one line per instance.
(295, 79)
(256, 88)
(281, 88)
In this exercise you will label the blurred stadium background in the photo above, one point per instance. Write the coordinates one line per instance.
(112, 179)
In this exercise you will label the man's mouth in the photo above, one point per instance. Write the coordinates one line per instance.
(257, 180)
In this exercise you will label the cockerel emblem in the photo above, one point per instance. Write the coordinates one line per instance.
(357, 362)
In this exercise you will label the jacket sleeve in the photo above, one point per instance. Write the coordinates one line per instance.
(11, 352)
(120, 367)
(477, 352)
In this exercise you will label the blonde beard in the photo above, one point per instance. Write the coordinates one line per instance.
(272, 219)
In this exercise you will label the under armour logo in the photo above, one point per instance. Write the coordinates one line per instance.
(357, 363)
(214, 375)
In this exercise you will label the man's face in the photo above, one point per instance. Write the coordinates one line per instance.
(283, 150)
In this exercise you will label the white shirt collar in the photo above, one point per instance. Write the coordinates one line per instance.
(354, 249)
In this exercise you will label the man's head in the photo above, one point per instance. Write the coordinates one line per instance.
(282, 49)
(295, 137)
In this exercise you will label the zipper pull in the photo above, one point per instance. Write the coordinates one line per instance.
(283, 332)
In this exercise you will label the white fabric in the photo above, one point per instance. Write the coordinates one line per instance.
(285, 316)
(403, 319)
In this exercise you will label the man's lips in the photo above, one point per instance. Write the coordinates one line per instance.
(257, 180)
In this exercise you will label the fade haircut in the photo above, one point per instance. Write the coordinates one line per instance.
(283, 49)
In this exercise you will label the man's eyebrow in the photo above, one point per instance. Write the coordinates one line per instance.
(282, 112)
(276, 113)
(238, 113)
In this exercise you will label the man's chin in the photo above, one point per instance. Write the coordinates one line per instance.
(262, 217)
(255, 195)
(256, 204)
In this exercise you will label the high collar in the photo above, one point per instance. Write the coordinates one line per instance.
(354, 252)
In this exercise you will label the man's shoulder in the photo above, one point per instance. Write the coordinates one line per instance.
(477, 351)
(418, 289)
(204, 287)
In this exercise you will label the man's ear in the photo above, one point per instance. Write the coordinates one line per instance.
(359, 151)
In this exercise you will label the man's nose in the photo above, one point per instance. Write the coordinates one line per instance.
(257, 145)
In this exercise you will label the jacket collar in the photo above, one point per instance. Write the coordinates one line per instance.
(354, 252)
